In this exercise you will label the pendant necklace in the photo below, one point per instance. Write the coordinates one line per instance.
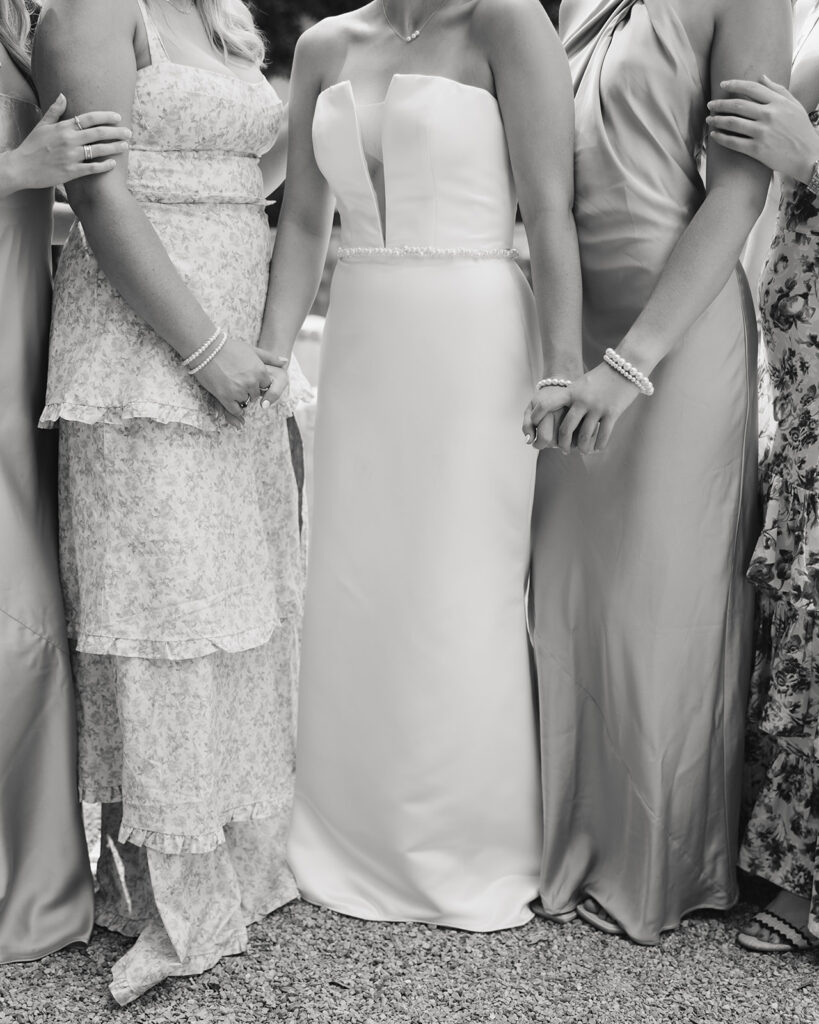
(417, 32)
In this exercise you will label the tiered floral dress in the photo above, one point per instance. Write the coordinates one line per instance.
(180, 548)
(782, 837)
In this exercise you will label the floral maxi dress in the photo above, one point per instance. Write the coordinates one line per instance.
(180, 549)
(782, 838)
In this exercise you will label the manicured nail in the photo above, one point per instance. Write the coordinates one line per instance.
(266, 403)
(528, 438)
(128, 133)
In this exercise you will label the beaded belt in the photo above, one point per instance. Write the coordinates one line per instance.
(422, 252)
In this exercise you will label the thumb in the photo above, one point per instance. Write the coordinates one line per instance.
(269, 359)
(55, 111)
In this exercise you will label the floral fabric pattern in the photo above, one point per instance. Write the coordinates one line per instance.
(181, 549)
(782, 837)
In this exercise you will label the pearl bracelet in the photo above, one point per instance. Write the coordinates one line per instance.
(629, 371)
(214, 353)
(201, 351)
(553, 382)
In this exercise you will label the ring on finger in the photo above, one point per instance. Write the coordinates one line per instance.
(78, 123)
(88, 152)
(265, 389)
(245, 404)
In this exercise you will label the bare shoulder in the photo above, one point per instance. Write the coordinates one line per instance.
(329, 39)
(762, 12)
(85, 14)
(507, 17)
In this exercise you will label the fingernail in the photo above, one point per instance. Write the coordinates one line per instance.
(128, 133)
(528, 438)
(123, 146)
(266, 403)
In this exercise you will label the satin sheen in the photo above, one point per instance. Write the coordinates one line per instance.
(46, 890)
(416, 779)
(641, 613)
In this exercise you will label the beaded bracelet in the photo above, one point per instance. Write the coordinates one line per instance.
(214, 353)
(201, 351)
(552, 382)
(629, 371)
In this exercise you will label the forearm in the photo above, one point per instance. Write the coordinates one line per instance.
(557, 285)
(695, 274)
(298, 263)
(11, 179)
(134, 260)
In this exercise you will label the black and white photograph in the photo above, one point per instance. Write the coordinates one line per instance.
(409, 511)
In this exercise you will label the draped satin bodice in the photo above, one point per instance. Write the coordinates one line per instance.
(447, 177)
(640, 116)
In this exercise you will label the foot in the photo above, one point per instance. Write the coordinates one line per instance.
(782, 927)
(591, 912)
(536, 906)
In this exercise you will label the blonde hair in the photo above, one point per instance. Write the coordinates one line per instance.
(15, 32)
(231, 28)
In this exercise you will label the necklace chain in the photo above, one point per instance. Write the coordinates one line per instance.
(188, 8)
(416, 32)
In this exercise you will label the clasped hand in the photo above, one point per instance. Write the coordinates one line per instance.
(581, 416)
(239, 375)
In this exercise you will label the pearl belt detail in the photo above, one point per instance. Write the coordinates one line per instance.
(422, 252)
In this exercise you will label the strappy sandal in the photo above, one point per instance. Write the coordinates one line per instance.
(601, 921)
(787, 938)
(536, 906)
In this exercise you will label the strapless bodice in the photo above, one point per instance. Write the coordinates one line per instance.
(447, 178)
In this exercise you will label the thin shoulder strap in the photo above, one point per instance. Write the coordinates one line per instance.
(156, 48)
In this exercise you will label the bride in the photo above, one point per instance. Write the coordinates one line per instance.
(426, 122)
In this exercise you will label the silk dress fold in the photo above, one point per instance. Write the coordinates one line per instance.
(46, 889)
(641, 614)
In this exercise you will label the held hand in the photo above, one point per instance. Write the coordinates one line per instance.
(599, 399)
(544, 415)
(279, 378)
(764, 121)
(235, 377)
(58, 151)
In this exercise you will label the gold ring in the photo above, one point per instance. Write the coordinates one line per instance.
(89, 154)
(78, 123)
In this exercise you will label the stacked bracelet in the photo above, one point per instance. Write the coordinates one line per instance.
(552, 382)
(201, 351)
(629, 371)
(219, 346)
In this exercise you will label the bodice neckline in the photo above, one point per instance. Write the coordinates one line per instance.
(347, 83)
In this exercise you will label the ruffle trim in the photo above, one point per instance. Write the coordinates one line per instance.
(117, 415)
(785, 563)
(300, 391)
(180, 649)
(206, 842)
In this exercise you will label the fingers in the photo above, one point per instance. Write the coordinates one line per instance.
(545, 432)
(528, 424)
(90, 136)
(93, 118)
(571, 422)
(738, 143)
(737, 125)
(83, 170)
(736, 107)
(104, 149)
(777, 87)
(604, 433)
(55, 111)
(750, 90)
(587, 434)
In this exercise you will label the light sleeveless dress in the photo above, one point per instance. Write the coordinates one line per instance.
(180, 546)
(642, 616)
(417, 795)
(46, 889)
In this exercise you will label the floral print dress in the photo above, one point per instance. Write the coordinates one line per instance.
(181, 552)
(782, 839)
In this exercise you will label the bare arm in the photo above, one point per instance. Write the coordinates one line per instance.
(534, 92)
(85, 48)
(274, 161)
(307, 214)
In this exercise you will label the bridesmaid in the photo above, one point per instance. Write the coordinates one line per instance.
(174, 494)
(641, 615)
(781, 842)
(46, 894)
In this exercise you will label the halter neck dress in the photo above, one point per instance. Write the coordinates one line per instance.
(180, 546)
(642, 615)
(46, 889)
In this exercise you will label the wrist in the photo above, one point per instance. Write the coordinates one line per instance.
(808, 169)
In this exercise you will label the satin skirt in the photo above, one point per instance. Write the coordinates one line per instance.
(642, 627)
(416, 769)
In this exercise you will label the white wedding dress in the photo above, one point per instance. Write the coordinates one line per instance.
(417, 773)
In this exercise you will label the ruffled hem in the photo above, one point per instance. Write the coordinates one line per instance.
(100, 794)
(300, 391)
(178, 649)
(116, 415)
(130, 927)
(206, 842)
(785, 563)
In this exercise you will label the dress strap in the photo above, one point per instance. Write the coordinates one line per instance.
(156, 48)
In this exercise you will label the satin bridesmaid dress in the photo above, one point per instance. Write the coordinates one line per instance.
(642, 616)
(416, 767)
(46, 889)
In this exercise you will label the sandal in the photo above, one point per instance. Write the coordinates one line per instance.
(786, 938)
(536, 906)
(592, 913)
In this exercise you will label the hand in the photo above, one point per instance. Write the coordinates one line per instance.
(768, 124)
(53, 152)
(235, 377)
(543, 417)
(279, 378)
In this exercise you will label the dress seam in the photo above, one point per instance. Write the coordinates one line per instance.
(34, 632)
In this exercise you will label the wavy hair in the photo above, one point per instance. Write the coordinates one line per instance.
(231, 28)
(15, 33)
